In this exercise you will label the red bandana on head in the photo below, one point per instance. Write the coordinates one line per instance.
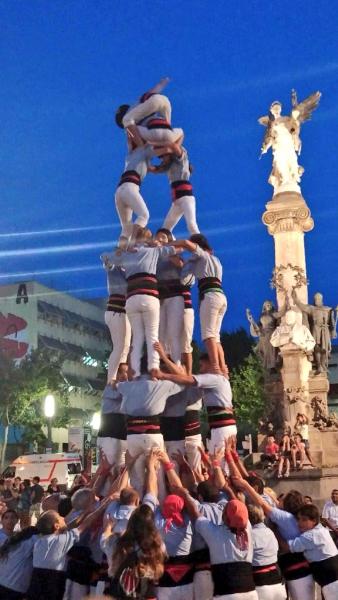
(237, 518)
(172, 511)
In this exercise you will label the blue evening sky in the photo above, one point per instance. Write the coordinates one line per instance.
(67, 64)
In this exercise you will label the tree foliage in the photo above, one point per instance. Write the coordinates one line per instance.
(237, 346)
(248, 390)
(24, 385)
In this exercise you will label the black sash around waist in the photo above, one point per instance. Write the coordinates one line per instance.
(172, 428)
(192, 423)
(47, 583)
(142, 283)
(232, 578)
(209, 284)
(325, 571)
(130, 177)
(178, 570)
(181, 188)
(116, 303)
(137, 425)
(294, 565)
(220, 417)
(201, 559)
(113, 425)
(170, 288)
(267, 574)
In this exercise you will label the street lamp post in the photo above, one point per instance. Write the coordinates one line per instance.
(49, 410)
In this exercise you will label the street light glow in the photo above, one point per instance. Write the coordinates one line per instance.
(49, 406)
(96, 421)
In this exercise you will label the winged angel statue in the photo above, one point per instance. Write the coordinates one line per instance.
(282, 135)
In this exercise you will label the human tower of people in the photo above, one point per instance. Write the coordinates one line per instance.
(173, 519)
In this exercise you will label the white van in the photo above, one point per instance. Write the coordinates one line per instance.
(64, 466)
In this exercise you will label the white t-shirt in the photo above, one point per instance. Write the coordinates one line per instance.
(330, 512)
(50, 551)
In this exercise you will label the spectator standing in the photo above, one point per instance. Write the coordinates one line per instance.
(10, 494)
(37, 493)
(24, 504)
(53, 487)
(330, 515)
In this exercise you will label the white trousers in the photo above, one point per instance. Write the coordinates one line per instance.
(171, 326)
(242, 596)
(192, 443)
(144, 316)
(212, 310)
(181, 592)
(141, 444)
(120, 333)
(302, 589)
(203, 585)
(160, 137)
(173, 448)
(217, 438)
(183, 207)
(128, 200)
(155, 104)
(115, 450)
(271, 592)
(330, 591)
(188, 330)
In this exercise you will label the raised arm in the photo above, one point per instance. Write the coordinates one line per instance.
(245, 487)
(168, 466)
(159, 87)
(91, 517)
(185, 244)
(151, 479)
(189, 503)
(179, 378)
(304, 307)
(171, 366)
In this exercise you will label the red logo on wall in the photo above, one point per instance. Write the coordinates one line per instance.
(10, 326)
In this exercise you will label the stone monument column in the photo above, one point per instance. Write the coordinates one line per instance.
(287, 218)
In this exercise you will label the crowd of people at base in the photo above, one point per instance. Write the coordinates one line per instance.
(292, 451)
(210, 536)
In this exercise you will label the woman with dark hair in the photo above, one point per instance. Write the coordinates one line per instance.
(16, 564)
(138, 558)
(207, 269)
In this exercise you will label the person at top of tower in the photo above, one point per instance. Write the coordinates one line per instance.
(150, 119)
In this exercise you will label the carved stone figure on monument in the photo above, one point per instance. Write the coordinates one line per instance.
(282, 135)
(291, 331)
(263, 330)
(322, 325)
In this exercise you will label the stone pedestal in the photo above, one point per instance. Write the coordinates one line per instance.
(287, 218)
